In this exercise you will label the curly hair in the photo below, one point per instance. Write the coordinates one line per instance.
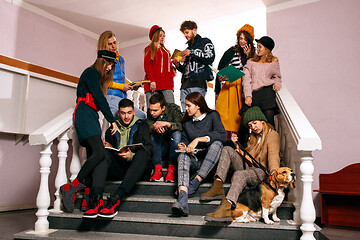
(188, 25)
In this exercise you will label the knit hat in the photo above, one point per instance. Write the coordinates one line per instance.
(107, 55)
(267, 42)
(253, 114)
(247, 28)
(153, 29)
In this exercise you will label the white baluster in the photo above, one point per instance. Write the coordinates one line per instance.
(61, 178)
(295, 196)
(43, 197)
(307, 210)
(75, 164)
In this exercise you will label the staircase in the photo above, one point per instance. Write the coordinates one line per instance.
(146, 214)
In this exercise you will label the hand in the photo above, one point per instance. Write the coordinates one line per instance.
(136, 87)
(176, 62)
(114, 128)
(276, 88)
(247, 49)
(234, 138)
(185, 53)
(126, 155)
(223, 78)
(127, 87)
(159, 126)
(153, 86)
(248, 101)
(106, 144)
(181, 146)
(190, 148)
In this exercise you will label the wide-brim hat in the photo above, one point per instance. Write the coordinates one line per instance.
(153, 29)
(253, 114)
(107, 55)
(267, 42)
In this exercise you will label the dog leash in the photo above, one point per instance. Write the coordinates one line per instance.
(258, 165)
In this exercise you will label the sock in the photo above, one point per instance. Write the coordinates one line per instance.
(75, 182)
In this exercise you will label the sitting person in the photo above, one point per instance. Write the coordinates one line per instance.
(202, 141)
(263, 145)
(128, 166)
(164, 120)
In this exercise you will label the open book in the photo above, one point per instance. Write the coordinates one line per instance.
(177, 55)
(135, 84)
(125, 148)
(231, 72)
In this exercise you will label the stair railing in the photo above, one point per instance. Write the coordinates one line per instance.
(298, 141)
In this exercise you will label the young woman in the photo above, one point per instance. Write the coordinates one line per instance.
(263, 145)
(158, 66)
(262, 78)
(229, 95)
(202, 141)
(91, 92)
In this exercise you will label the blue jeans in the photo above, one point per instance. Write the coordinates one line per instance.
(185, 92)
(165, 144)
(114, 107)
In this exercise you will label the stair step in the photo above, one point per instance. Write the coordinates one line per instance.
(168, 225)
(62, 234)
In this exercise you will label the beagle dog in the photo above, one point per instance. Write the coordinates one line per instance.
(264, 198)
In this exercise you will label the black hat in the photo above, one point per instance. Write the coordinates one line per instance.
(107, 55)
(267, 42)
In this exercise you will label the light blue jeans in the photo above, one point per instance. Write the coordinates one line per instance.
(186, 91)
(114, 107)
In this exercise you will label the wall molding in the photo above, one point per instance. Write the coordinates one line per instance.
(289, 4)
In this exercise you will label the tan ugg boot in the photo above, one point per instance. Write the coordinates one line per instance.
(215, 193)
(221, 214)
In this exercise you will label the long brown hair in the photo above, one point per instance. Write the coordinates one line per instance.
(100, 65)
(199, 100)
(240, 50)
(254, 145)
(154, 45)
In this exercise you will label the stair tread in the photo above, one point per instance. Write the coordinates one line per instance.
(170, 219)
(60, 234)
(148, 183)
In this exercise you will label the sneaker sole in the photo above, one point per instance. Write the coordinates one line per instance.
(213, 219)
(108, 216)
(179, 210)
(90, 216)
(154, 180)
(208, 199)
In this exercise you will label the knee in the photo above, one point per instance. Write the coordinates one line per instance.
(176, 136)
(216, 145)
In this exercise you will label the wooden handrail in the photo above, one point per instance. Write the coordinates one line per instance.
(37, 69)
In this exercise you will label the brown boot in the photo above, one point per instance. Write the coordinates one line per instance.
(215, 193)
(221, 214)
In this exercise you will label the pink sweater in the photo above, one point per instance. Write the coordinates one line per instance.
(258, 75)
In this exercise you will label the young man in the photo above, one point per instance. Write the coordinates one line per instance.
(196, 57)
(119, 86)
(128, 166)
(164, 120)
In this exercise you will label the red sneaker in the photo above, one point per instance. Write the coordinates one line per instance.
(157, 176)
(96, 204)
(112, 207)
(170, 175)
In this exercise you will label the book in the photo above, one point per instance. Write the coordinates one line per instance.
(135, 84)
(231, 72)
(195, 150)
(125, 148)
(177, 55)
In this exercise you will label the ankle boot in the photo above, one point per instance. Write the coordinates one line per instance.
(193, 186)
(221, 214)
(215, 193)
(68, 192)
(181, 207)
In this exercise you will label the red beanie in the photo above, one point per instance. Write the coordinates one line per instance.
(153, 29)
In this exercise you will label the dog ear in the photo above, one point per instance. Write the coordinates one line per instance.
(292, 185)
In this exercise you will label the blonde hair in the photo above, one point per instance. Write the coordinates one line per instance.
(267, 57)
(254, 145)
(103, 40)
(154, 45)
(100, 65)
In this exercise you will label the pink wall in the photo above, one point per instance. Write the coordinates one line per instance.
(32, 38)
(134, 61)
(317, 45)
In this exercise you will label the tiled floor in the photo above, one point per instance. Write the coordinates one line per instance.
(18, 221)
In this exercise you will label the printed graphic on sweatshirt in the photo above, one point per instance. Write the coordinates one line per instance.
(207, 53)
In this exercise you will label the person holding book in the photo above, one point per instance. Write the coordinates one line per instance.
(262, 79)
(263, 145)
(120, 84)
(129, 165)
(158, 67)
(164, 120)
(195, 62)
(229, 96)
(90, 93)
(202, 141)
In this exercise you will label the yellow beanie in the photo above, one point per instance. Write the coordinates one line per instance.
(247, 28)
